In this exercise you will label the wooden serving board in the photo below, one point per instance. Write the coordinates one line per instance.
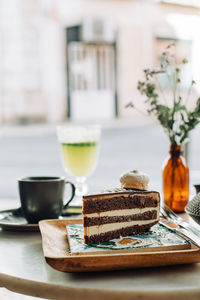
(57, 253)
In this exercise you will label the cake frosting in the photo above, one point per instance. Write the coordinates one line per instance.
(134, 180)
(106, 228)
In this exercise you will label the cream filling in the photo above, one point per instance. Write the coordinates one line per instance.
(98, 229)
(121, 212)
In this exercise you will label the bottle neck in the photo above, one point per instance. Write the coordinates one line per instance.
(175, 150)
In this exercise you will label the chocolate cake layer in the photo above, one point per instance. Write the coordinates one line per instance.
(107, 236)
(148, 215)
(128, 200)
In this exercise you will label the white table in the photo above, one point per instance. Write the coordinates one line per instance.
(23, 269)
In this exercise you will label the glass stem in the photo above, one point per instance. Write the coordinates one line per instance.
(81, 186)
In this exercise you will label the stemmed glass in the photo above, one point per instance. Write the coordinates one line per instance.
(79, 151)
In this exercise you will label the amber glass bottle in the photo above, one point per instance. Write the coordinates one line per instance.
(175, 180)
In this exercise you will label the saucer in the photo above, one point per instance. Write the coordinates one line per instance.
(14, 220)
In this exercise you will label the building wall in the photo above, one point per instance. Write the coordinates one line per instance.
(33, 51)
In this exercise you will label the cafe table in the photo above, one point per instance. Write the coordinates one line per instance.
(23, 269)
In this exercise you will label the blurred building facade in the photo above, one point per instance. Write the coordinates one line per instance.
(80, 60)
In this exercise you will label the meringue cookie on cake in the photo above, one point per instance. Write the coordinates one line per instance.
(134, 180)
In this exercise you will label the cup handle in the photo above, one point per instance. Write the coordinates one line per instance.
(73, 193)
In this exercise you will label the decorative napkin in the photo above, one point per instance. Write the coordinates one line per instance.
(158, 238)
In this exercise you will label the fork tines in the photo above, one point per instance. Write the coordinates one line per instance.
(168, 214)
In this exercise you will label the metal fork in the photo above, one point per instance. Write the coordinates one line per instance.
(163, 213)
(182, 232)
(168, 213)
(165, 216)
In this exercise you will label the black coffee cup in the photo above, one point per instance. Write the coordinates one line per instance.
(42, 197)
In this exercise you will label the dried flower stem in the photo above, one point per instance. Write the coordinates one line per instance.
(176, 120)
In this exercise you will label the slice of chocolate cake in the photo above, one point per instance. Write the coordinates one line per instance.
(120, 212)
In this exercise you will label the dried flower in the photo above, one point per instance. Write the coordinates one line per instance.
(177, 120)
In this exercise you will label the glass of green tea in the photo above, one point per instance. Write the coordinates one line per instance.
(79, 151)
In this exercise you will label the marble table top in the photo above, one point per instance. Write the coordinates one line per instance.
(23, 269)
